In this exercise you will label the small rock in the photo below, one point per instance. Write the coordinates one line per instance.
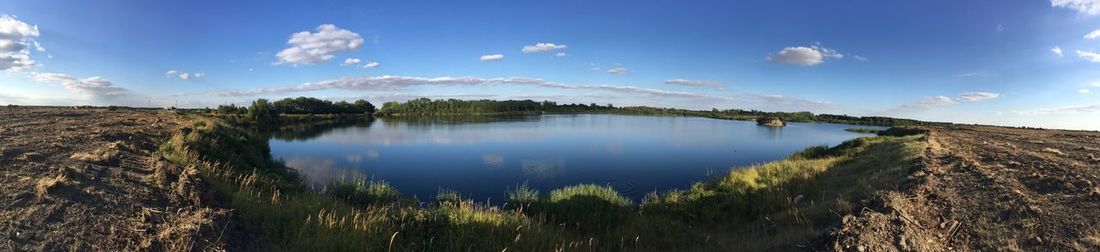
(861, 248)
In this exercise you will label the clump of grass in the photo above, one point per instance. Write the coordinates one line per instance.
(104, 155)
(522, 196)
(587, 207)
(45, 185)
(363, 192)
(447, 196)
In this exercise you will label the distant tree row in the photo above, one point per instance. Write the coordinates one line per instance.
(425, 106)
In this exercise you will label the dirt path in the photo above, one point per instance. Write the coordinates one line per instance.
(89, 179)
(989, 188)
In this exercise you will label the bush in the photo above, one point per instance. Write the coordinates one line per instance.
(262, 111)
(362, 192)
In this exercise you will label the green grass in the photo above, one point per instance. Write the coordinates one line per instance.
(778, 205)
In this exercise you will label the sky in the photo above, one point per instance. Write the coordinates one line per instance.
(1015, 63)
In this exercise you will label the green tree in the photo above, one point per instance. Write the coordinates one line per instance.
(262, 111)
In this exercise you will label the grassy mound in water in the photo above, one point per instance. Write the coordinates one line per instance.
(777, 205)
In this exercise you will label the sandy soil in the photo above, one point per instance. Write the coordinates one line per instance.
(989, 189)
(89, 179)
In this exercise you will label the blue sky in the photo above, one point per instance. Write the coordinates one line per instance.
(989, 62)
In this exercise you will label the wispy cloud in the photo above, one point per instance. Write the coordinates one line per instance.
(318, 47)
(492, 57)
(351, 61)
(387, 82)
(805, 55)
(789, 102)
(696, 83)
(978, 96)
(371, 64)
(1093, 35)
(96, 87)
(542, 47)
(176, 74)
(1091, 56)
(1057, 51)
(1072, 109)
(617, 70)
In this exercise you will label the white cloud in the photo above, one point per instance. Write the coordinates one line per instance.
(542, 47)
(1091, 56)
(1072, 109)
(617, 70)
(790, 103)
(1096, 84)
(696, 83)
(371, 64)
(16, 37)
(1087, 7)
(96, 87)
(561, 54)
(182, 75)
(860, 58)
(492, 57)
(805, 56)
(351, 61)
(318, 47)
(1084, 91)
(1093, 35)
(978, 96)
(1057, 51)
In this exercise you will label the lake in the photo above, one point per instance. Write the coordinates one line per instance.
(482, 157)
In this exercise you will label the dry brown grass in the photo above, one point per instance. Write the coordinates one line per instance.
(45, 185)
(104, 155)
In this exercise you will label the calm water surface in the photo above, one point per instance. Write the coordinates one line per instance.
(482, 157)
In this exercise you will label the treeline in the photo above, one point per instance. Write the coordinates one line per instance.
(425, 106)
(262, 110)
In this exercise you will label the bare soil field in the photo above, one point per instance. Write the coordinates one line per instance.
(989, 189)
(90, 179)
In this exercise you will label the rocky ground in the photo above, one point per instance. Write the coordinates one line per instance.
(989, 189)
(90, 179)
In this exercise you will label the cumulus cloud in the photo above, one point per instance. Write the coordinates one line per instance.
(1084, 91)
(805, 56)
(978, 96)
(96, 87)
(320, 46)
(1091, 56)
(542, 47)
(1072, 109)
(16, 37)
(351, 61)
(561, 54)
(696, 83)
(182, 75)
(1087, 7)
(1057, 51)
(492, 57)
(617, 70)
(371, 64)
(387, 82)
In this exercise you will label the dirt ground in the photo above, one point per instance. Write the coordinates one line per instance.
(988, 189)
(89, 179)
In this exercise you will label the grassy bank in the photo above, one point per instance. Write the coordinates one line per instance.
(766, 206)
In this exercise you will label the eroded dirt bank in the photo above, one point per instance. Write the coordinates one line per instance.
(90, 179)
(989, 189)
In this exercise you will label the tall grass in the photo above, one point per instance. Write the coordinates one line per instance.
(768, 206)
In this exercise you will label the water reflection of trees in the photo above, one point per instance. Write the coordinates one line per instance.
(303, 131)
